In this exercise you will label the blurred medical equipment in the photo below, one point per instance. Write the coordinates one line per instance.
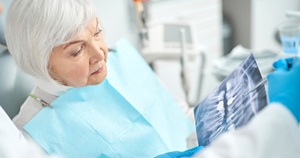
(293, 14)
(224, 65)
(141, 19)
(227, 36)
(172, 45)
(289, 32)
(170, 48)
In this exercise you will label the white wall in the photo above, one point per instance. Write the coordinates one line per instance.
(118, 20)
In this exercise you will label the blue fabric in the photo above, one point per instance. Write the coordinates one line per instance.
(130, 114)
(181, 154)
(284, 85)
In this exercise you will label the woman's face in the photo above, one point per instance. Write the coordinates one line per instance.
(82, 61)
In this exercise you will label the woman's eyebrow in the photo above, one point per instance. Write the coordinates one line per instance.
(78, 41)
(73, 42)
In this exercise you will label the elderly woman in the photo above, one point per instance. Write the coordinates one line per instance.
(60, 44)
(57, 42)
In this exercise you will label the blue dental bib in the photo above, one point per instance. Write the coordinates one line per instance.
(130, 114)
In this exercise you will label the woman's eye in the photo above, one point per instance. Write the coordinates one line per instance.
(77, 53)
(97, 33)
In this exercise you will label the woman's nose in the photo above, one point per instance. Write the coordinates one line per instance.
(96, 53)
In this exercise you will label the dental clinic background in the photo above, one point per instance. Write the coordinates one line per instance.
(218, 27)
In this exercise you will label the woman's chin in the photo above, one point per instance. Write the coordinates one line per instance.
(97, 80)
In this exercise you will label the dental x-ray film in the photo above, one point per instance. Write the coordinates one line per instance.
(227, 107)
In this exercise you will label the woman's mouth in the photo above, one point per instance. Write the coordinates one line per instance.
(98, 71)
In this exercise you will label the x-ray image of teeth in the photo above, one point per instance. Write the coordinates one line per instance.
(227, 108)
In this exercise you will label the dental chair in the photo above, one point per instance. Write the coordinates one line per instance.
(14, 85)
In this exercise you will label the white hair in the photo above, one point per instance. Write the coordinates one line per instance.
(35, 27)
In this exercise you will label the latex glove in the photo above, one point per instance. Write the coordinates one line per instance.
(178, 154)
(284, 85)
(284, 63)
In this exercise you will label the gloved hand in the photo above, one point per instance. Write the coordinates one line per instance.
(284, 63)
(284, 85)
(178, 154)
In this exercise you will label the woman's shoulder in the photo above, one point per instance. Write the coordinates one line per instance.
(32, 106)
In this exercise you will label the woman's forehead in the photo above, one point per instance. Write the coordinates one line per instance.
(91, 27)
